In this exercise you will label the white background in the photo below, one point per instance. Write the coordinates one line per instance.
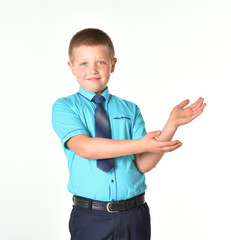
(167, 51)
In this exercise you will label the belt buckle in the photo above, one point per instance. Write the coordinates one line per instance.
(108, 208)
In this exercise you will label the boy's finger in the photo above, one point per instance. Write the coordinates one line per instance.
(167, 144)
(183, 104)
(172, 148)
(196, 114)
(198, 111)
(155, 134)
(197, 104)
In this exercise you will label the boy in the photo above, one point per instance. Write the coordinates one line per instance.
(107, 147)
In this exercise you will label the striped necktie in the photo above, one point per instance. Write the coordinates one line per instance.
(102, 129)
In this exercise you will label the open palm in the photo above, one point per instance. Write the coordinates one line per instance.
(181, 114)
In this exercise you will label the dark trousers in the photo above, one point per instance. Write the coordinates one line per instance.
(87, 224)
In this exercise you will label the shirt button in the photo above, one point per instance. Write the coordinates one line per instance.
(112, 180)
(112, 200)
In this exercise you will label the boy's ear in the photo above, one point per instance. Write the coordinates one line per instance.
(113, 64)
(71, 67)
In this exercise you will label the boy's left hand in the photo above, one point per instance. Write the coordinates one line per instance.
(180, 115)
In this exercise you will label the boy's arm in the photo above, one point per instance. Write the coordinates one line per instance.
(103, 148)
(179, 116)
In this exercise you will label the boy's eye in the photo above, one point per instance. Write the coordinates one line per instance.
(101, 62)
(83, 64)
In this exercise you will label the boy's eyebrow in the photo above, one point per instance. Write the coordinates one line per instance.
(87, 59)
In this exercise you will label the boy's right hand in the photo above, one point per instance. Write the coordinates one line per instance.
(151, 144)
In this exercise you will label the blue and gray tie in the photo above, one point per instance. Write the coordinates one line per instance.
(102, 129)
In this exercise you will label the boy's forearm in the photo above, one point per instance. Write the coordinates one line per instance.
(146, 161)
(101, 148)
(168, 131)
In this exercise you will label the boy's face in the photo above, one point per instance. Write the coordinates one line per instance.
(92, 67)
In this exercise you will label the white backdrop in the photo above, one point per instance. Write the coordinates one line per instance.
(167, 51)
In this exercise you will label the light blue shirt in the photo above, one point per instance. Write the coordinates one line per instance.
(74, 115)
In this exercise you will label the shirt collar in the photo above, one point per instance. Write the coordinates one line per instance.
(89, 95)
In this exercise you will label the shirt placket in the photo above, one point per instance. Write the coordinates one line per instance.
(112, 185)
(112, 174)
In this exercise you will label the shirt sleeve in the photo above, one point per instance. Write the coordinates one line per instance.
(139, 130)
(66, 122)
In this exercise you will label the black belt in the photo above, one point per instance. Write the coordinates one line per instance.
(111, 207)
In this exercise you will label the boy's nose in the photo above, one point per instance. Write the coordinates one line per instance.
(93, 69)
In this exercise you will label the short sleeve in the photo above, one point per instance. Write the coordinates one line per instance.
(66, 122)
(139, 130)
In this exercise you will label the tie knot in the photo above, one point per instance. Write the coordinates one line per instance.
(98, 99)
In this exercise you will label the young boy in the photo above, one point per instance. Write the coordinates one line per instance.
(107, 147)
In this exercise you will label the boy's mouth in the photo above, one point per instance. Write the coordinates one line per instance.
(93, 79)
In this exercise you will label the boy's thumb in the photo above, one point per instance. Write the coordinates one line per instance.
(156, 133)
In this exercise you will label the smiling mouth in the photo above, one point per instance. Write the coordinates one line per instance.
(93, 79)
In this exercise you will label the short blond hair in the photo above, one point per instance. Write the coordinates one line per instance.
(90, 37)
